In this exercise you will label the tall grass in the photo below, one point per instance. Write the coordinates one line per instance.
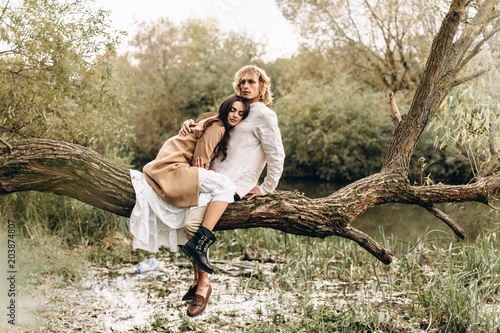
(40, 214)
(435, 285)
(463, 296)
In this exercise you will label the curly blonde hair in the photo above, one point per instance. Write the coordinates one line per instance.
(265, 94)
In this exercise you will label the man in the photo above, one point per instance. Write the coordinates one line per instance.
(253, 143)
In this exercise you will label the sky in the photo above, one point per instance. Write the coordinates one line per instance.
(260, 19)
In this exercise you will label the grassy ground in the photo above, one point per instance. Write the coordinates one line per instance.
(435, 285)
(312, 285)
(74, 273)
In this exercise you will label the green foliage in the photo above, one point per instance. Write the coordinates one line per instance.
(467, 122)
(335, 130)
(465, 289)
(38, 214)
(53, 260)
(442, 165)
(56, 82)
(318, 285)
(55, 75)
(334, 127)
(434, 285)
(180, 72)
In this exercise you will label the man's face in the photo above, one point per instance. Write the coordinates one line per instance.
(249, 87)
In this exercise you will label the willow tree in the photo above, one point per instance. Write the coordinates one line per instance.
(69, 169)
(385, 43)
(52, 84)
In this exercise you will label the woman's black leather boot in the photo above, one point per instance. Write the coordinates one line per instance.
(197, 248)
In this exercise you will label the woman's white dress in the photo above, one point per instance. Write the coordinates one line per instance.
(154, 222)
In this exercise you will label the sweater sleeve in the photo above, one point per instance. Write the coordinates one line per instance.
(206, 144)
(270, 138)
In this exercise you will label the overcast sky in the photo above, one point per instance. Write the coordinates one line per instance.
(261, 19)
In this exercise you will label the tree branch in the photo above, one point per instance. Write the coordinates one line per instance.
(437, 80)
(475, 27)
(6, 144)
(396, 116)
(477, 48)
(446, 219)
(68, 169)
(368, 244)
(4, 10)
(432, 88)
(78, 172)
(470, 77)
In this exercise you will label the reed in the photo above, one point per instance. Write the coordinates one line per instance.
(435, 285)
(446, 286)
(41, 214)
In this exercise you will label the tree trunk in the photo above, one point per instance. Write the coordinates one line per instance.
(68, 169)
(78, 172)
(75, 171)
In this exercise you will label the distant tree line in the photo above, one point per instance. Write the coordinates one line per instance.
(60, 78)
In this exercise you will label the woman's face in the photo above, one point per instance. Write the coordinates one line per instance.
(236, 114)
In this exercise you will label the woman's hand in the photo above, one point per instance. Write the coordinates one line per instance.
(198, 162)
(186, 127)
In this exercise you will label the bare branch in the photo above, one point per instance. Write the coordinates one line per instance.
(436, 82)
(78, 172)
(353, 21)
(396, 116)
(477, 48)
(469, 77)
(474, 28)
(6, 143)
(68, 169)
(368, 244)
(446, 219)
(4, 10)
(6, 52)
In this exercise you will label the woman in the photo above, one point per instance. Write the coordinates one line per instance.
(179, 181)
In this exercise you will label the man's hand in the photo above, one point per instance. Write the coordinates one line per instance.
(255, 192)
(198, 162)
(186, 127)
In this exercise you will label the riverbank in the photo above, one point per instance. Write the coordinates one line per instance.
(117, 300)
(266, 281)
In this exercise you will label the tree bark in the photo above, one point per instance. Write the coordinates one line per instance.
(78, 172)
(67, 169)
(443, 65)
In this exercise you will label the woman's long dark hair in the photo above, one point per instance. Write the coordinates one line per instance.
(224, 108)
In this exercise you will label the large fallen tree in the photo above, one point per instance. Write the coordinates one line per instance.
(78, 172)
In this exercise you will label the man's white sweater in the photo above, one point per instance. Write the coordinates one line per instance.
(253, 142)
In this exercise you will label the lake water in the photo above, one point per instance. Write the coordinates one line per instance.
(408, 223)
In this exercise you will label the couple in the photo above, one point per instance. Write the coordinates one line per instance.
(179, 201)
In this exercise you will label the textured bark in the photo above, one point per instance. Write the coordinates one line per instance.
(68, 169)
(75, 171)
(448, 56)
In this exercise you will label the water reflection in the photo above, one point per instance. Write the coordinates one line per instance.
(407, 223)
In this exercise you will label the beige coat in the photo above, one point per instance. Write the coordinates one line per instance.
(171, 174)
